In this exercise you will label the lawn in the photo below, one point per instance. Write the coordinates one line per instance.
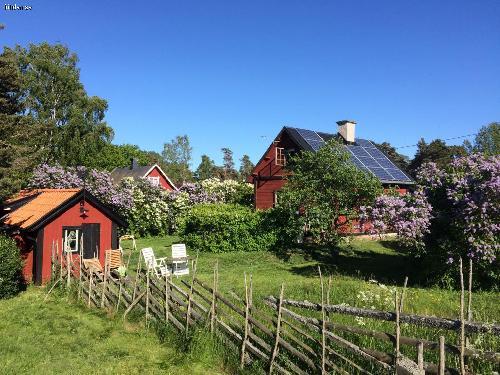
(364, 274)
(61, 337)
(353, 268)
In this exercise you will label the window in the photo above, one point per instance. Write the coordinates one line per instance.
(71, 239)
(280, 156)
(155, 181)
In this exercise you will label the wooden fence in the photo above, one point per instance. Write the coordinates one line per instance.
(284, 336)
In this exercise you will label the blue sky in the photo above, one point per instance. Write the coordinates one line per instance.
(231, 73)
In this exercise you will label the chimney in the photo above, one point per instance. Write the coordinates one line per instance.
(347, 130)
(133, 163)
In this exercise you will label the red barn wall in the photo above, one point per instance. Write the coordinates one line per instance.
(163, 181)
(71, 217)
(269, 175)
(26, 246)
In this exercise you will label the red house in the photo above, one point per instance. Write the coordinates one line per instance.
(269, 175)
(39, 219)
(152, 173)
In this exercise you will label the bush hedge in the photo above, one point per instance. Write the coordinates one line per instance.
(220, 228)
(11, 265)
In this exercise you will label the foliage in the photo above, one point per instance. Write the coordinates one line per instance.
(96, 182)
(54, 96)
(229, 191)
(323, 188)
(206, 169)
(119, 156)
(465, 201)
(246, 167)
(408, 215)
(437, 152)
(20, 137)
(151, 214)
(487, 140)
(11, 266)
(220, 228)
(228, 171)
(177, 156)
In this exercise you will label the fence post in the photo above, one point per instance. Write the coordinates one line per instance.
(190, 295)
(398, 333)
(323, 323)
(147, 296)
(80, 259)
(462, 320)
(442, 357)
(245, 337)
(214, 291)
(278, 327)
(104, 283)
(91, 279)
(420, 356)
(167, 297)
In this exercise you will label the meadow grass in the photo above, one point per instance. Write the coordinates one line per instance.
(60, 336)
(364, 273)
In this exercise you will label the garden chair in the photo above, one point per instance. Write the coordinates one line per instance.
(159, 266)
(180, 260)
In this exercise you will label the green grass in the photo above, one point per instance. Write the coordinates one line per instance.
(353, 269)
(61, 337)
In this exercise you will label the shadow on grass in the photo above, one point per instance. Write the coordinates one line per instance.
(389, 266)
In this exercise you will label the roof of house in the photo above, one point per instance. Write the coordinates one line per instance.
(364, 154)
(30, 209)
(137, 171)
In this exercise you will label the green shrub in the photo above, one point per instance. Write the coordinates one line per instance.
(11, 265)
(220, 228)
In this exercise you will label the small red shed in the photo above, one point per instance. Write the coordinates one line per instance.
(70, 218)
(153, 173)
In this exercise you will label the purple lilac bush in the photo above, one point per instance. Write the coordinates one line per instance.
(455, 212)
(96, 182)
(408, 215)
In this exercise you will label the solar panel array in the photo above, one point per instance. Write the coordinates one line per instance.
(368, 157)
(312, 138)
(365, 155)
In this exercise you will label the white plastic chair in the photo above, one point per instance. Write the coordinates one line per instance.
(180, 261)
(159, 266)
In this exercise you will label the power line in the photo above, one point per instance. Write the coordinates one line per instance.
(447, 139)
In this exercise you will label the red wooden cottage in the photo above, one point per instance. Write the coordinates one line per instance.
(153, 173)
(269, 175)
(38, 219)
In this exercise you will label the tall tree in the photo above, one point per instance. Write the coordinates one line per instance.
(177, 156)
(54, 96)
(246, 167)
(228, 164)
(206, 169)
(323, 190)
(437, 151)
(487, 140)
(20, 138)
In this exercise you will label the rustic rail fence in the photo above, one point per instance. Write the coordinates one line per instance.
(285, 336)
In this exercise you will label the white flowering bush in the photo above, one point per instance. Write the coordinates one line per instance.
(228, 191)
(377, 297)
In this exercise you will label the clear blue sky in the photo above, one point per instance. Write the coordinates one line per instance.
(229, 72)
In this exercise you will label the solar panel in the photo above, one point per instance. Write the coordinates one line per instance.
(368, 157)
(312, 138)
(364, 154)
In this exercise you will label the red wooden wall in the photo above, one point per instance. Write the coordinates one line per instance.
(163, 181)
(71, 217)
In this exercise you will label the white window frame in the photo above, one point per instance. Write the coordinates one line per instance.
(279, 157)
(77, 239)
(155, 181)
